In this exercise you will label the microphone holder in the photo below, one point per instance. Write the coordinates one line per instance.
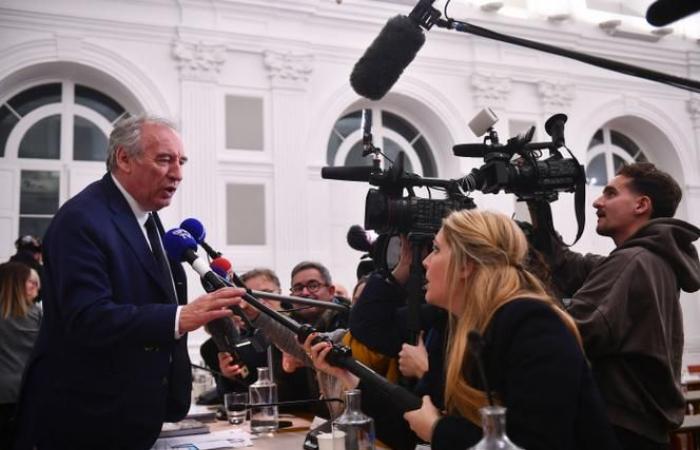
(628, 69)
(300, 300)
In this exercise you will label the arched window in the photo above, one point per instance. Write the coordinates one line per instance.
(42, 129)
(392, 134)
(608, 150)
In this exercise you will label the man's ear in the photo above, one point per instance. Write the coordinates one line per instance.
(643, 206)
(331, 290)
(123, 160)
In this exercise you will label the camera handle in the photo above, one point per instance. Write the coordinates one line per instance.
(415, 298)
(414, 286)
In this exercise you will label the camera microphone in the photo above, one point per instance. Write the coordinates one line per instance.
(347, 173)
(358, 239)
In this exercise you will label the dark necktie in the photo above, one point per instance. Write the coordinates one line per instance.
(159, 255)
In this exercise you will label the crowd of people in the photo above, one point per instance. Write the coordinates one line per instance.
(103, 363)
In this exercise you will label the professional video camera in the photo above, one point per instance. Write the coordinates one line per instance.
(517, 167)
(526, 175)
(387, 210)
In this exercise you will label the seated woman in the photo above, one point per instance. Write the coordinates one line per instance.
(20, 318)
(531, 352)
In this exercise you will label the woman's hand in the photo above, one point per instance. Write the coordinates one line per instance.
(228, 367)
(318, 352)
(413, 359)
(422, 421)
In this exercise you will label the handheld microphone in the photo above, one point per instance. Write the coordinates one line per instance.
(386, 58)
(196, 229)
(222, 267)
(181, 246)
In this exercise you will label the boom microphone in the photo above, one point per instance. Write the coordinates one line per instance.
(664, 12)
(387, 57)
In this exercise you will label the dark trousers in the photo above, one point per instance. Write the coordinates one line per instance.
(632, 441)
(7, 425)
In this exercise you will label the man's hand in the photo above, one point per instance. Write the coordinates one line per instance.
(422, 421)
(208, 307)
(228, 367)
(290, 364)
(413, 359)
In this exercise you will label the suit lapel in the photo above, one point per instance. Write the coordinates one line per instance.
(124, 220)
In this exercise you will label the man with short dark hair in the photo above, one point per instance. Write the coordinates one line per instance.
(627, 307)
(312, 280)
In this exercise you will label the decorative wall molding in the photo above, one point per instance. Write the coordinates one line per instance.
(199, 61)
(694, 110)
(68, 45)
(491, 90)
(287, 69)
(556, 95)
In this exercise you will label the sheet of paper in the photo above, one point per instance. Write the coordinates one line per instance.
(216, 440)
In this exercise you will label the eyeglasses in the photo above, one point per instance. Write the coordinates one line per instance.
(312, 286)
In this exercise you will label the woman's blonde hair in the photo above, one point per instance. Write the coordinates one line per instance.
(493, 250)
(13, 291)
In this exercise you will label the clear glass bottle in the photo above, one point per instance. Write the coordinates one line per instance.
(493, 422)
(357, 426)
(263, 419)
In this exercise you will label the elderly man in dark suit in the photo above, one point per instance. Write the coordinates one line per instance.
(110, 364)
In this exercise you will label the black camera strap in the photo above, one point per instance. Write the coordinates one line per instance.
(579, 198)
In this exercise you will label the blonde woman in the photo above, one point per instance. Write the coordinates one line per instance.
(531, 353)
(19, 326)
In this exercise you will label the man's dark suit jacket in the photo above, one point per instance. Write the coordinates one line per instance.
(107, 369)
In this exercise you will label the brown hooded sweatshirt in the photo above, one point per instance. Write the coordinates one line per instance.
(627, 309)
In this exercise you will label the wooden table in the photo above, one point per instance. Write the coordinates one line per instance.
(690, 429)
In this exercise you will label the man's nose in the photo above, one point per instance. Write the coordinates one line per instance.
(598, 203)
(175, 171)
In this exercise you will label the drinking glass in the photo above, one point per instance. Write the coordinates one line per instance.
(236, 404)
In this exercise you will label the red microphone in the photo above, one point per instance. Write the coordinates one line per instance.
(222, 267)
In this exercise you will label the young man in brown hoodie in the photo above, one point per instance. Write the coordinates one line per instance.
(627, 307)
